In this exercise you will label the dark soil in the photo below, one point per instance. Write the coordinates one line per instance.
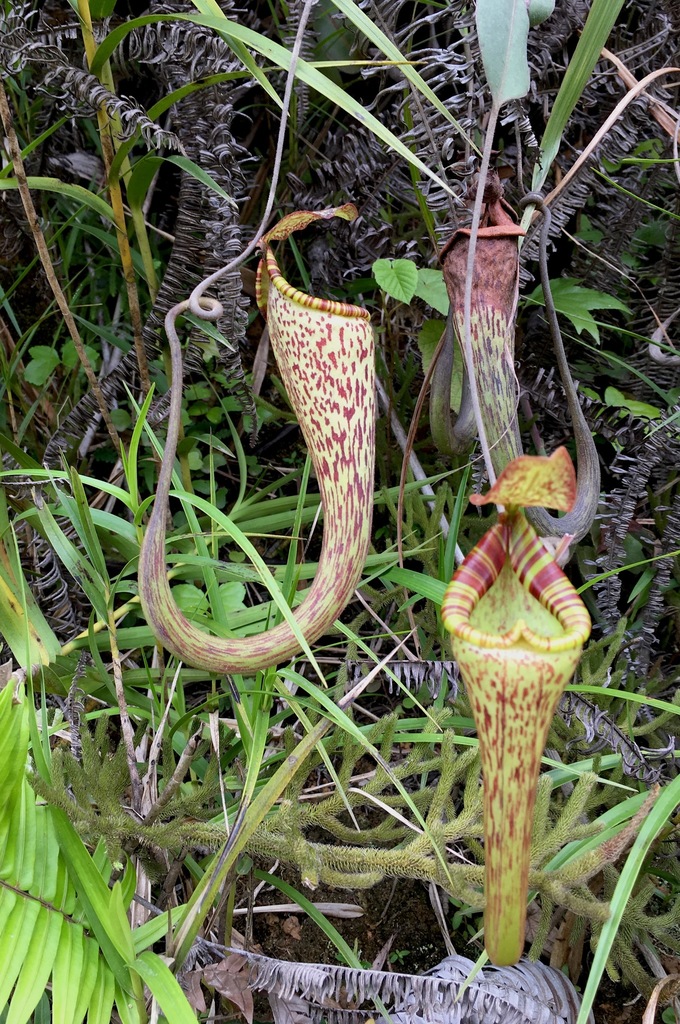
(396, 912)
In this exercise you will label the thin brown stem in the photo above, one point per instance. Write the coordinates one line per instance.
(125, 721)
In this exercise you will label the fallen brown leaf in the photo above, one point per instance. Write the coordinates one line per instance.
(229, 978)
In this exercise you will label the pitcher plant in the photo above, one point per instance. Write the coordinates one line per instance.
(517, 631)
(325, 354)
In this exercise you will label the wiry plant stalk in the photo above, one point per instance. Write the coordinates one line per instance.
(325, 354)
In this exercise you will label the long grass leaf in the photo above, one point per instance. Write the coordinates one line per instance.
(235, 33)
(77, 193)
(164, 988)
(665, 805)
(599, 23)
(376, 36)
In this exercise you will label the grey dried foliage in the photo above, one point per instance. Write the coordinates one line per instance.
(529, 993)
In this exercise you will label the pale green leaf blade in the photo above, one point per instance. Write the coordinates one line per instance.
(15, 943)
(164, 987)
(77, 564)
(37, 967)
(503, 33)
(22, 624)
(145, 169)
(93, 893)
(617, 400)
(127, 1008)
(25, 829)
(66, 975)
(431, 289)
(89, 973)
(418, 583)
(599, 23)
(13, 749)
(101, 999)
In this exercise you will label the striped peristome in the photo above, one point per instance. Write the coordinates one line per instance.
(278, 281)
(514, 540)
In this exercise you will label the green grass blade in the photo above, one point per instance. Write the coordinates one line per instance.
(599, 23)
(164, 988)
(376, 36)
(240, 36)
(665, 806)
(418, 582)
(81, 195)
(319, 919)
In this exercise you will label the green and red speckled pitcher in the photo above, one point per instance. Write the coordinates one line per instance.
(517, 632)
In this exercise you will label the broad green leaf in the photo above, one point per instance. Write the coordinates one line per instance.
(76, 192)
(643, 410)
(540, 11)
(100, 9)
(71, 359)
(503, 32)
(431, 289)
(428, 339)
(42, 364)
(398, 278)
(599, 23)
(575, 301)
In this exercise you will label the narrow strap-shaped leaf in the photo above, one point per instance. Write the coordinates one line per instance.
(164, 987)
(93, 893)
(15, 943)
(24, 824)
(101, 1000)
(89, 973)
(67, 971)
